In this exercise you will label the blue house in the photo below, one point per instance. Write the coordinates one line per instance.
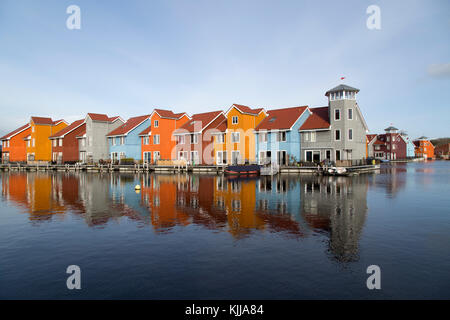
(278, 137)
(410, 147)
(124, 142)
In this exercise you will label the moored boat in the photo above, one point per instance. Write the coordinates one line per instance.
(243, 170)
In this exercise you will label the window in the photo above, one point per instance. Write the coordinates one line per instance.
(350, 134)
(83, 142)
(313, 137)
(156, 123)
(338, 155)
(194, 157)
(113, 141)
(221, 157)
(122, 140)
(54, 143)
(337, 114)
(194, 139)
(393, 147)
(156, 139)
(234, 120)
(337, 135)
(350, 114)
(308, 156)
(60, 142)
(263, 137)
(306, 136)
(281, 136)
(33, 142)
(220, 138)
(146, 140)
(156, 156)
(28, 143)
(32, 128)
(235, 137)
(147, 157)
(388, 139)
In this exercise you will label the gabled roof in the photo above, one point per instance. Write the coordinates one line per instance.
(204, 119)
(17, 131)
(169, 114)
(319, 119)
(370, 137)
(222, 125)
(281, 118)
(379, 142)
(103, 117)
(56, 122)
(68, 129)
(42, 120)
(340, 88)
(128, 126)
(244, 109)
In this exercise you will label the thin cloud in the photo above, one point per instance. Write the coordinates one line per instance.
(439, 70)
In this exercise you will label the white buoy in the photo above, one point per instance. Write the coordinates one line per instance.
(137, 187)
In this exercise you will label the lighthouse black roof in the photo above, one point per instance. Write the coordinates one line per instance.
(340, 88)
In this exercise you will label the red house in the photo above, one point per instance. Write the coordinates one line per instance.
(388, 146)
(65, 142)
(194, 139)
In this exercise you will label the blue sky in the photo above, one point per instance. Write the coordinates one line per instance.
(195, 56)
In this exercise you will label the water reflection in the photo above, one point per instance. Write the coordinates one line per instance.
(291, 206)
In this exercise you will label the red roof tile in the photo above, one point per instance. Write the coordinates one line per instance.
(370, 136)
(379, 142)
(67, 129)
(198, 122)
(222, 126)
(82, 132)
(246, 109)
(146, 131)
(169, 114)
(319, 119)
(13, 133)
(42, 120)
(128, 126)
(281, 118)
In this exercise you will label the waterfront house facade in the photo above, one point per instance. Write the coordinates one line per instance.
(335, 132)
(14, 147)
(93, 143)
(278, 137)
(39, 146)
(234, 142)
(194, 139)
(424, 148)
(442, 151)
(65, 143)
(124, 141)
(391, 145)
(157, 140)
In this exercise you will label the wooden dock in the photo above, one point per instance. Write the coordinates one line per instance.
(162, 168)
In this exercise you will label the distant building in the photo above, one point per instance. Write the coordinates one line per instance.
(65, 142)
(336, 132)
(14, 147)
(391, 145)
(442, 151)
(157, 141)
(424, 148)
(124, 141)
(93, 144)
(39, 146)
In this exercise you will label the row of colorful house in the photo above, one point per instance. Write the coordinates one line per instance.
(394, 145)
(240, 135)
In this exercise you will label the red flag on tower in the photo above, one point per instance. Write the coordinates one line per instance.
(342, 78)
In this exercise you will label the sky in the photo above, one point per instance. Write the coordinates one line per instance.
(130, 57)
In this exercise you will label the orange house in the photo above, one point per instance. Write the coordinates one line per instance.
(157, 141)
(424, 148)
(235, 144)
(14, 145)
(39, 146)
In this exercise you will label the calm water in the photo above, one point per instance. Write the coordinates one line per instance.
(208, 237)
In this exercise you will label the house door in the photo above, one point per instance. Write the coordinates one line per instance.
(235, 157)
(156, 156)
(82, 156)
(147, 157)
(282, 158)
(328, 154)
(316, 156)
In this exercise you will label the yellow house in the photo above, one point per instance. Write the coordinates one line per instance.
(39, 146)
(234, 141)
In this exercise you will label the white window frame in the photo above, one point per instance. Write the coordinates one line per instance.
(234, 120)
(350, 130)
(156, 139)
(279, 135)
(233, 137)
(340, 135)
(348, 114)
(156, 123)
(193, 138)
(223, 158)
(122, 141)
(60, 142)
(156, 156)
(220, 138)
(335, 155)
(263, 137)
(313, 136)
(146, 140)
(147, 160)
(113, 141)
(334, 114)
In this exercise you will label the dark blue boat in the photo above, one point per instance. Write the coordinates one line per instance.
(243, 170)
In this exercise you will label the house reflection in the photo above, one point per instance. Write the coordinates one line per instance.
(336, 206)
(292, 206)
